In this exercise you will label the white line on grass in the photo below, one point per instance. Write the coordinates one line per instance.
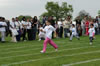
(28, 50)
(28, 44)
(32, 49)
(22, 62)
(40, 53)
(24, 47)
(81, 62)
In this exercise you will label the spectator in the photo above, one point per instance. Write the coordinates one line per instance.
(66, 26)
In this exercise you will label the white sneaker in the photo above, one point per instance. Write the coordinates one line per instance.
(39, 40)
(56, 50)
(42, 51)
(90, 43)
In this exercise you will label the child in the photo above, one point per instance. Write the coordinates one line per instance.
(91, 33)
(48, 35)
(74, 33)
(41, 34)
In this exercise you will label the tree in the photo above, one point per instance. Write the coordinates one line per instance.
(21, 16)
(54, 9)
(99, 12)
(82, 14)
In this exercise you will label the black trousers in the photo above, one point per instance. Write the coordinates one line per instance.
(24, 34)
(29, 34)
(60, 34)
(34, 31)
(19, 35)
(91, 39)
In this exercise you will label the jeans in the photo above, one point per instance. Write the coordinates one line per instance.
(66, 31)
(91, 39)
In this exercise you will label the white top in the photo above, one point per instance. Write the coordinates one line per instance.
(3, 24)
(60, 24)
(18, 25)
(91, 31)
(73, 31)
(49, 29)
(28, 25)
(25, 24)
(12, 25)
(41, 28)
(96, 25)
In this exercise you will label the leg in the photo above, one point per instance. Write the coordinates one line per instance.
(23, 34)
(65, 32)
(3, 36)
(53, 44)
(45, 44)
(77, 36)
(71, 37)
(91, 38)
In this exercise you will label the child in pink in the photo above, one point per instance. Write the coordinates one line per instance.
(48, 35)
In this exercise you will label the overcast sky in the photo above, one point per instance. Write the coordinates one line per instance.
(13, 8)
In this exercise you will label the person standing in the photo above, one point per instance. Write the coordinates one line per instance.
(29, 29)
(66, 26)
(34, 27)
(24, 28)
(13, 30)
(83, 26)
(18, 27)
(2, 29)
(60, 25)
(86, 27)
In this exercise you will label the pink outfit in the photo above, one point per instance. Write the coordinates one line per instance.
(46, 41)
(87, 27)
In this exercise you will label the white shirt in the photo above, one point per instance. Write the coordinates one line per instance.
(73, 31)
(28, 25)
(18, 25)
(41, 28)
(3, 24)
(12, 25)
(49, 29)
(60, 24)
(96, 25)
(25, 24)
(91, 31)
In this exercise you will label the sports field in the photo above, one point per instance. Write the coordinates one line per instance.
(75, 53)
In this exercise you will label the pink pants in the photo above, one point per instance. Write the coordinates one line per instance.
(46, 41)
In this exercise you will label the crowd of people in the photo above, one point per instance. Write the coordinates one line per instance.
(30, 29)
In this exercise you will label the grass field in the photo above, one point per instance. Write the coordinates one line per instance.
(75, 53)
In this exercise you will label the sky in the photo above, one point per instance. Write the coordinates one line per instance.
(13, 8)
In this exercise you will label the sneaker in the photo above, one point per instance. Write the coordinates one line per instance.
(42, 52)
(90, 43)
(39, 40)
(56, 50)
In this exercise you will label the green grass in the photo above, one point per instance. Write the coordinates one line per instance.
(28, 53)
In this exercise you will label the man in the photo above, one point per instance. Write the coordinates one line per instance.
(66, 26)
(2, 29)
